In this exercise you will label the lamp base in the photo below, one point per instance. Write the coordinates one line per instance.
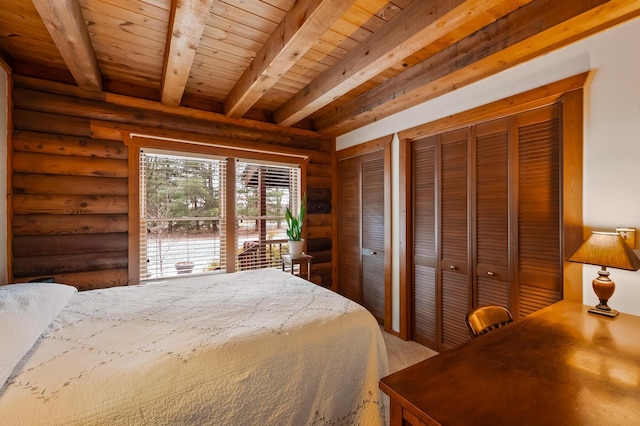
(610, 313)
(603, 287)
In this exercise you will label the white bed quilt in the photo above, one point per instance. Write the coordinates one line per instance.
(250, 348)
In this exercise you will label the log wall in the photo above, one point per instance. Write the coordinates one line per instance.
(70, 186)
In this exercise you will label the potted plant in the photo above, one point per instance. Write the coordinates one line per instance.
(294, 227)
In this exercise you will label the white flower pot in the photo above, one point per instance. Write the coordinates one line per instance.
(295, 247)
(185, 267)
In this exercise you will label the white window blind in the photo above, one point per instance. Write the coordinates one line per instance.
(263, 192)
(181, 214)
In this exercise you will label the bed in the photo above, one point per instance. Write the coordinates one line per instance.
(254, 347)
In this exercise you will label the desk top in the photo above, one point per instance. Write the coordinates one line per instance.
(560, 365)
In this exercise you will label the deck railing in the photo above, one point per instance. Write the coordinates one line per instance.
(185, 246)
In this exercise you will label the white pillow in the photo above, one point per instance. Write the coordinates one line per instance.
(26, 310)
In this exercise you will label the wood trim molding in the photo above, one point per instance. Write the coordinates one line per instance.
(305, 224)
(334, 217)
(572, 187)
(134, 215)
(472, 225)
(364, 148)
(152, 137)
(404, 231)
(535, 98)
(9, 172)
(230, 210)
(388, 259)
(513, 172)
(5, 66)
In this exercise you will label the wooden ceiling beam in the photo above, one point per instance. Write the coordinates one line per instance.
(186, 24)
(533, 30)
(67, 27)
(418, 25)
(300, 29)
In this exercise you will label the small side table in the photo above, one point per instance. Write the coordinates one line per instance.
(297, 259)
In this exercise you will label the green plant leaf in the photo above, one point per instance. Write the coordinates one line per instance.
(294, 224)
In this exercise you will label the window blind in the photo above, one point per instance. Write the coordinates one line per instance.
(181, 220)
(263, 192)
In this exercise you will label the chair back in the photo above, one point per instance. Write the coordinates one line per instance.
(486, 318)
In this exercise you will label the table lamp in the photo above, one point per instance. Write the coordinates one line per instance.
(605, 249)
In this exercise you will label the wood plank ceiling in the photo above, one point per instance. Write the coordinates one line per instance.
(328, 65)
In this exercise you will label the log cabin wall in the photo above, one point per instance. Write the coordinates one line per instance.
(70, 185)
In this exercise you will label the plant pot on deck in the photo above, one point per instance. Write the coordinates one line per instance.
(185, 267)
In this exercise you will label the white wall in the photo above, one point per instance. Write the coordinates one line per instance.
(611, 138)
(3, 174)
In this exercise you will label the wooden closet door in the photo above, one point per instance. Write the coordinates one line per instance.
(424, 200)
(349, 228)
(495, 233)
(361, 231)
(539, 258)
(492, 272)
(373, 220)
(454, 234)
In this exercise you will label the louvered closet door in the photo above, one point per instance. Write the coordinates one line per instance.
(456, 290)
(539, 244)
(373, 234)
(492, 214)
(425, 306)
(349, 276)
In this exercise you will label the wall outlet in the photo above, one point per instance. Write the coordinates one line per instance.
(629, 236)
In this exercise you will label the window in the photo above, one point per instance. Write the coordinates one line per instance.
(263, 191)
(184, 205)
(180, 214)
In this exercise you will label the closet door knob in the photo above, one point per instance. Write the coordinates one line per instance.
(453, 267)
(490, 273)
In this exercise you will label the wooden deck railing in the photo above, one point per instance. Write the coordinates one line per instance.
(262, 254)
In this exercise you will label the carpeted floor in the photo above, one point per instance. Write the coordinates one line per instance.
(402, 354)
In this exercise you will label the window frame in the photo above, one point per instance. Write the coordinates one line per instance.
(189, 144)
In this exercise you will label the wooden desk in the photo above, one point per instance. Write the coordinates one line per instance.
(297, 259)
(559, 366)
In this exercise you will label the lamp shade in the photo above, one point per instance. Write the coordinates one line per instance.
(606, 249)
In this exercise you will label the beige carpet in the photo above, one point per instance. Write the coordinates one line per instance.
(402, 354)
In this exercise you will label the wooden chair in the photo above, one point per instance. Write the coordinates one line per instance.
(486, 318)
